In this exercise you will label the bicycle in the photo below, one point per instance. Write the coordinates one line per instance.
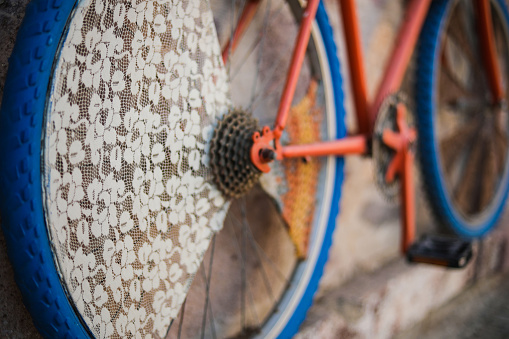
(144, 159)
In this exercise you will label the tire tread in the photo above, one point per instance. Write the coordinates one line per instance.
(27, 240)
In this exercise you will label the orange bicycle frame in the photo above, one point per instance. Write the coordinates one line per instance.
(365, 111)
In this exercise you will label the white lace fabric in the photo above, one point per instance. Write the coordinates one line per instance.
(130, 206)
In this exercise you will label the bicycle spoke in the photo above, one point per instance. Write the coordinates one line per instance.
(247, 231)
(463, 45)
(233, 23)
(260, 97)
(244, 272)
(246, 16)
(454, 88)
(261, 253)
(182, 311)
(252, 47)
(500, 148)
(488, 177)
(245, 286)
(458, 34)
(208, 305)
(243, 282)
(466, 30)
(500, 49)
(257, 250)
(266, 285)
(467, 186)
(461, 137)
(208, 286)
(260, 51)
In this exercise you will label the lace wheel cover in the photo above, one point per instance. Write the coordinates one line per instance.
(135, 95)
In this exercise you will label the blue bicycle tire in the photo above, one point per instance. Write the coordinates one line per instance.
(24, 99)
(306, 301)
(447, 213)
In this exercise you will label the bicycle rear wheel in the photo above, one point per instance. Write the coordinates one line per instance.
(117, 213)
(462, 136)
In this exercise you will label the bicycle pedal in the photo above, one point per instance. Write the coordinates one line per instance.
(441, 250)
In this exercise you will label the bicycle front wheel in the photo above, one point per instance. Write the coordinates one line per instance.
(463, 136)
(108, 218)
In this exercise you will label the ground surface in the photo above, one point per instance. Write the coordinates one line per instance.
(480, 312)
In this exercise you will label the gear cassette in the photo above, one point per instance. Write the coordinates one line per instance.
(230, 161)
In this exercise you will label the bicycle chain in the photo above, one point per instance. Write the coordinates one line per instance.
(230, 161)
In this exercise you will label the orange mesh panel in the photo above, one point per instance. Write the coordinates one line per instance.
(303, 127)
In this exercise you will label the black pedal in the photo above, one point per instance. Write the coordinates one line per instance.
(441, 250)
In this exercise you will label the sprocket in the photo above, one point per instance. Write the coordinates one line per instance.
(234, 173)
(382, 154)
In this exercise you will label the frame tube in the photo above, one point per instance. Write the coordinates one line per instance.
(245, 19)
(402, 52)
(348, 145)
(408, 202)
(295, 66)
(487, 42)
(356, 63)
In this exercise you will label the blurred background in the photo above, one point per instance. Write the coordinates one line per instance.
(368, 290)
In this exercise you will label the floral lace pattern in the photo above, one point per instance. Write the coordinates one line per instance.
(130, 205)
